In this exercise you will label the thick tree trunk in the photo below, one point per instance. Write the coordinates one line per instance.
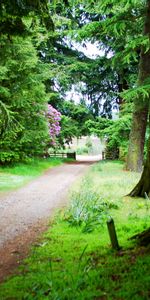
(143, 187)
(141, 106)
(137, 139)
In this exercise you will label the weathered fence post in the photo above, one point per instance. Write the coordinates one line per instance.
(103, 155)
(71, 155)
(112, 234)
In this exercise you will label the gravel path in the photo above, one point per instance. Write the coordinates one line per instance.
(25, 213)
(37, 200)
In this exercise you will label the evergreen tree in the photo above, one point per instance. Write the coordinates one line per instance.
(23, 101)
(117, 27)
(143, 186)
(13, 12)
(140, 109)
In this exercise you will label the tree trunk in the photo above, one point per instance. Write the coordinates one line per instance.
(141, 106)
(137, 139)
(122, 86)
(143, 187)
(142, 238)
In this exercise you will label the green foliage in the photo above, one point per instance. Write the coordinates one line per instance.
(118, 133)
(73, 121)
(69, 130)
(117, 29)
(117, 136)
(98, 125)
(12, 14)
(139, 92)
(115, 132)
(24, 104)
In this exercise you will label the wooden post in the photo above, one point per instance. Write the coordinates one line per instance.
(71, 155)
(112, 234)
(103, 155)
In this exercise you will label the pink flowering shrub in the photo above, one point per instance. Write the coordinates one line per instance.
(54, 127)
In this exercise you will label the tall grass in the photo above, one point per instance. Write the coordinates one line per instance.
(88, 209)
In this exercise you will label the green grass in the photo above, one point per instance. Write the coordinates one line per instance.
(69, 264)
(18, 174)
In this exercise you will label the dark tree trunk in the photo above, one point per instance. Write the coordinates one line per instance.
(142, 238)
(122, 86)
(137, 139)
(141, 107)
(143, 187)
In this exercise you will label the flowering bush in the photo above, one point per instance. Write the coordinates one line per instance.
(54, 128)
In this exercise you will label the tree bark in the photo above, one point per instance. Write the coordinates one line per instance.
(122, 86)
(141, 107)
(142, 238)
(137, 139)
(143, 187)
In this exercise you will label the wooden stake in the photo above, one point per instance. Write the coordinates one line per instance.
(112, 234)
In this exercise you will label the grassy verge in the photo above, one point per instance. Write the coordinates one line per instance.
(18, 174)
(75, 260)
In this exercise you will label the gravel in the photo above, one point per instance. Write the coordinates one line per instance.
(23, 208)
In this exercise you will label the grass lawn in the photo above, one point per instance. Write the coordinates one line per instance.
(18, 174)
(75, 261)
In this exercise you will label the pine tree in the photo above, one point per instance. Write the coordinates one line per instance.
(143, 187)
(140, 109)
(23, 101)
(117, 27)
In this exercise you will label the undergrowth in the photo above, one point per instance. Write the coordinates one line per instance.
(73, 263)
(87, 209)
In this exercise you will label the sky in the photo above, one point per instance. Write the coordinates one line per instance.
(91, 50)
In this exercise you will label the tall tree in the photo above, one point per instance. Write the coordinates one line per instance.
(117, 27)
(24, 100)
(143, 186)
(141, 107)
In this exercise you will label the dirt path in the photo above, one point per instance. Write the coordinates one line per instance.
(24, 213)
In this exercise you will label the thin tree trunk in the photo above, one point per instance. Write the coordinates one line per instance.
(122, 86)
(141, 107)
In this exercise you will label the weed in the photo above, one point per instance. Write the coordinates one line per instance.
(87, 209)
